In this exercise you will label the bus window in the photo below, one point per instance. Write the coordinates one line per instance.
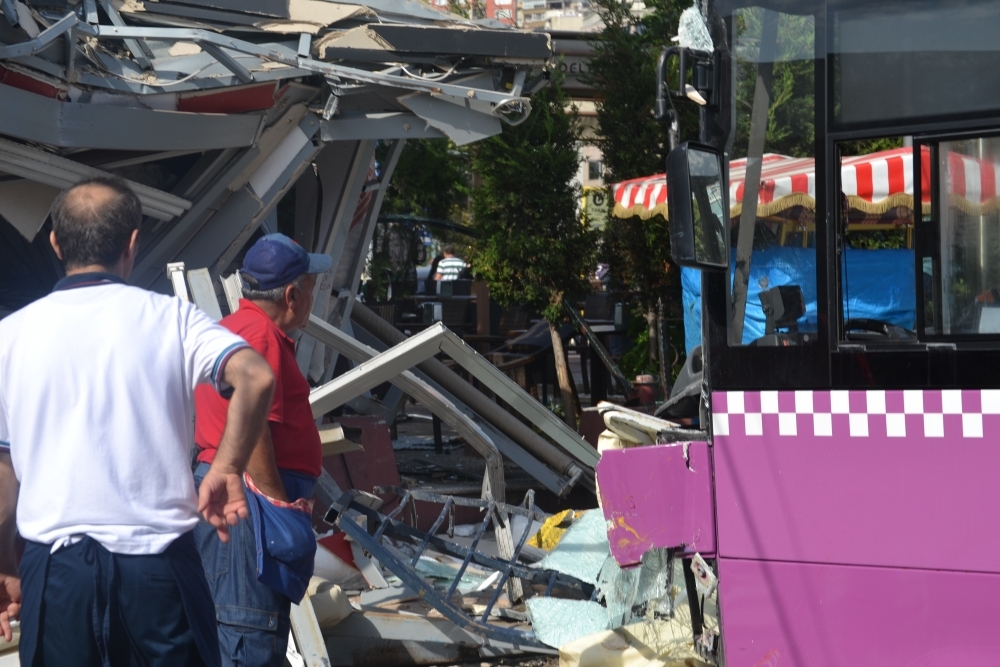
(961, 256)
(876, 261)
(773, 280)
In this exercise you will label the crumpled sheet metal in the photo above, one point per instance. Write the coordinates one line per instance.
(658, 496)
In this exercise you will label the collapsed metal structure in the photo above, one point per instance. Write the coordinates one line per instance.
(216, 111)
(250, 101)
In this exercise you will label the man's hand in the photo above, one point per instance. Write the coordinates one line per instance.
(10, 603)
(222, 500)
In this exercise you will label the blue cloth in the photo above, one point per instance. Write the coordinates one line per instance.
(286, 544)
(877, 284)
(84, 606)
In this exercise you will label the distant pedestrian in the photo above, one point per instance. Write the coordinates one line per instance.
(96, 412)
(451, 266)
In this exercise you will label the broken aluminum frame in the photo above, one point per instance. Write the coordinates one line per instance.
(380, 526)
(599, 349)
(494, 485)
(426, 394)
(308, 634)
(469, 430)
(43, 167)
(498, 103)
(555, 482)
(426, 344)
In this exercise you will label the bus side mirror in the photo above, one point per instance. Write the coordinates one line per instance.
(698, 207)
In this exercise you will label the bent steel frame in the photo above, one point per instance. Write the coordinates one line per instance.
(379, 527)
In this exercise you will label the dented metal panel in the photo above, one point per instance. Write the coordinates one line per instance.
(658, 496)
(33, 117)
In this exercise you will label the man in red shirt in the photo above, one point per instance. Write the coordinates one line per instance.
(253, 578)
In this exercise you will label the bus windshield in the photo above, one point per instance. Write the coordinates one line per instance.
(774, 224)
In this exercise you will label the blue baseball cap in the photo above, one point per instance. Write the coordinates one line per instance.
(276, 260)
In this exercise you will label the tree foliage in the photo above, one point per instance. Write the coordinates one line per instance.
(634, 144)
(532, 248)
(430, 181)
(791, 119)
(623, 70)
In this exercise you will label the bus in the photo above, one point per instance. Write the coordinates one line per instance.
(855, 461)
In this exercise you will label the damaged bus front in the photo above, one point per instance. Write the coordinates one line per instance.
(850, 323)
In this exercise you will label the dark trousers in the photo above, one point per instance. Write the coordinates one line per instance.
(84, 606)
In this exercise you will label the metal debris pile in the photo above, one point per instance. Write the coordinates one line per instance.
(214, 110)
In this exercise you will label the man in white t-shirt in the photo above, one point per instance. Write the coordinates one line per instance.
(96, 428)
(451, 266)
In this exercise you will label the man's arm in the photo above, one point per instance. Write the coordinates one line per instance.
(10, 583)
(263, 469)
(221, 498)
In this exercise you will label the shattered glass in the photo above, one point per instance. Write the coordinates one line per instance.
(638, 592)
(583, 550)
(692, 30)
(557, 621)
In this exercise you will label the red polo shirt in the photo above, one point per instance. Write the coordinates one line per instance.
(293, 430)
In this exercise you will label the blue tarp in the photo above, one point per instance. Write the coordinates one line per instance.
(878, 284)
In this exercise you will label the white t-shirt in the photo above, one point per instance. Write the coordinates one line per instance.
(97, 410)
(450, 268)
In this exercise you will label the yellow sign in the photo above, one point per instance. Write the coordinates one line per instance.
(595, 206)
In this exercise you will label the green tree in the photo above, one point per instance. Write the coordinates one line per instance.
(791, 120)
(532, 247)
(430, 181)
(634, 144)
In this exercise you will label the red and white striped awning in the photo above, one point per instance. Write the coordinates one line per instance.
(874, 184)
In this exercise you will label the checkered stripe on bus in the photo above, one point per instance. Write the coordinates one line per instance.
(928, 413)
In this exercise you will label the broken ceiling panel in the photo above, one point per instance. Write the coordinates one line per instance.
(298, 16)
(276, 8)
(464, 41)
(58, 172)
(410, 11)
(25, 204)
(460, 124)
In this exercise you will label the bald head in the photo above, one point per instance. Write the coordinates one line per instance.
(93, 221)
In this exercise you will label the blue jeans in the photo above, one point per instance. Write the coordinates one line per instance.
(253, 619)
